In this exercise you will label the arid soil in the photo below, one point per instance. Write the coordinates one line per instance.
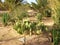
(8, 36)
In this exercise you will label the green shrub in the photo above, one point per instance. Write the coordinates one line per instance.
(41, 26)
(24, 26)
(56, 17)
(17, 27)
(39, 16)
(48, 12)
(56, 29)
(5, 19)
(33, 26)
(21, 26)
(12, 20)
(55, 34)
(22, 15)
(29, 27)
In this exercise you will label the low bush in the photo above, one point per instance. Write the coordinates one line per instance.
(56, 36)
(39, 16)
(17, 27)
(5, 18)
(48, 12)
(22, 15)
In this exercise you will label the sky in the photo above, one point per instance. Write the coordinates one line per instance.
(2, 0)
(29, 1)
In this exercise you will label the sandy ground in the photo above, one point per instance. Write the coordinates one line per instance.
(48, 21)
(8, 36)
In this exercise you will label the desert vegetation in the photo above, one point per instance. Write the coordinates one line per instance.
(32, 23)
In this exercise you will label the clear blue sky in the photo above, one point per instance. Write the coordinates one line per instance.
(29, 1)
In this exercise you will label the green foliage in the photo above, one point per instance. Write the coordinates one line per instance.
(58, 16)
(18, 13)
(17, 27)
(42, 3)
(30, 26)
(48, 12)
(39, 16)
(33, 25)
(22, 15)
(56, 30)
(21, 26)
(35, 6)
(24, 26)
(5, 19)
(56, 36)
(12, 4)
(41, 26)
(41, 6)
(4, 6)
